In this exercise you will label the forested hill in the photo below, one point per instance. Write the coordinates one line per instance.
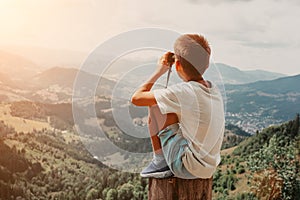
(264, 166)
(49, 164)
(46, 165)
(286, 132)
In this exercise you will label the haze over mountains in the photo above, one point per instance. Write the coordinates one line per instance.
(20, 67)
(255, 99)
(17, 67)
(233, 75)
(45, 57)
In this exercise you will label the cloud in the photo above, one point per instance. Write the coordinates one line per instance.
(233, 27)
(239, 30)
(214, 2)
(265, 45)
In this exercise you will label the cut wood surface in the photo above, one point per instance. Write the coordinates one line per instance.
(181, 189)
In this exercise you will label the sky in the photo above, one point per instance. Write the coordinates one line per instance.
(248, 34)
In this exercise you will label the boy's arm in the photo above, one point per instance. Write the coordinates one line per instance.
(143, 96)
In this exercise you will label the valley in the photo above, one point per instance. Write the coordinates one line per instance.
(43, 156)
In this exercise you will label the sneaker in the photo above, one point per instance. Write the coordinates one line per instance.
(152, 171)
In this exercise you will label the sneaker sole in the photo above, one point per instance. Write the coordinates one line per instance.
(164, 174)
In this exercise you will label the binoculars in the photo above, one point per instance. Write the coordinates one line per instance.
(171, 60)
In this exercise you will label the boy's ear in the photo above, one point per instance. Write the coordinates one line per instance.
(178, 65)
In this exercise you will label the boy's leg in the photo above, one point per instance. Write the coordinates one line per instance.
(158, 167)
(173, 145)
(157, 122)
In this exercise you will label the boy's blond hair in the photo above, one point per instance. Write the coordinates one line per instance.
(193, 52)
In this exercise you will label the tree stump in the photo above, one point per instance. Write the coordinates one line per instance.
(181, 189)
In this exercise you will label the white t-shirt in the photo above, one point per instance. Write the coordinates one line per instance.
(200, 111)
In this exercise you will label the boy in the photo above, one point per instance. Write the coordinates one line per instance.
(186, 120)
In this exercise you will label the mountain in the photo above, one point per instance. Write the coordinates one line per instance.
(232, 75)
(5, 80)
(254, 106)
(47, 57)
(27, 61)
(17, 67)
(9, 89)
(63, 77)
(281, 85)
(54, 85)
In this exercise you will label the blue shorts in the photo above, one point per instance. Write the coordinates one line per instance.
(173, 147)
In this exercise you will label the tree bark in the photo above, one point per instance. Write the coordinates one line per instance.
(180, 189)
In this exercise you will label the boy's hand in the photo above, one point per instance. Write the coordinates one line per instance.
(163, 64)
(143, 96)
